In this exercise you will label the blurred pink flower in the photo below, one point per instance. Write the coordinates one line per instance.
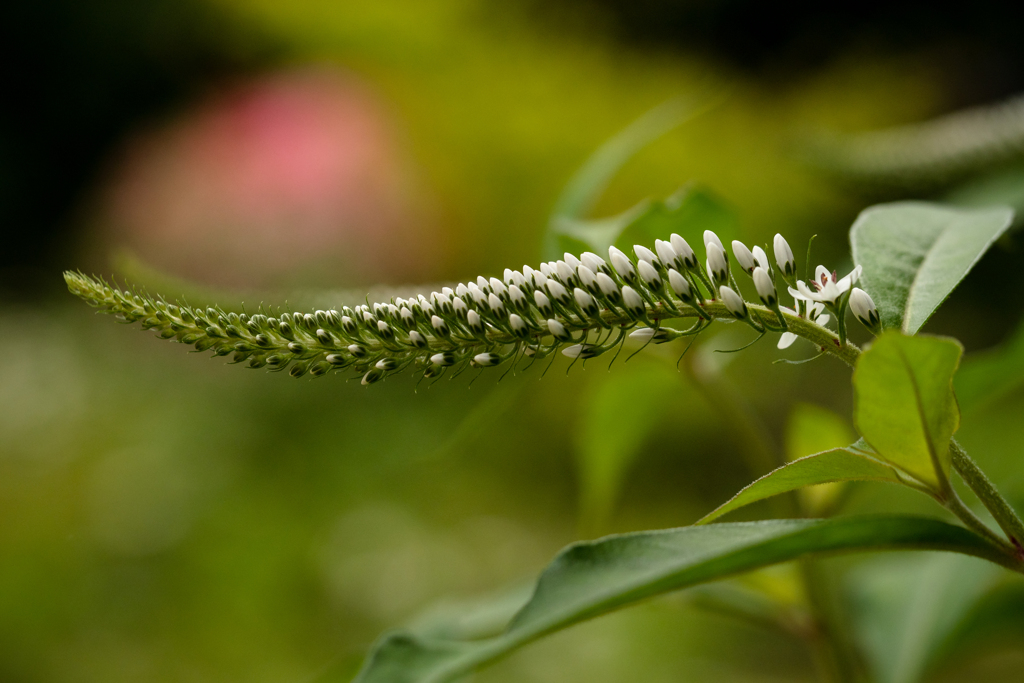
(296, 177)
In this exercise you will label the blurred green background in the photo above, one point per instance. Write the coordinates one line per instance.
(165, 517)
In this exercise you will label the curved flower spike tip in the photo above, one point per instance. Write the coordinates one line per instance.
(580, 303)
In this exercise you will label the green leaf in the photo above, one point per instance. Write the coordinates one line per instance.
(617, 416)
(593, 578)
(812, 429)
(853, 463)
(914, 254)
(904, 405)
(989, 375)
(908, 607)
(689, 212)
(586, 186)
(590, 181)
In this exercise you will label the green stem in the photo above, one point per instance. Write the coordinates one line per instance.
(1006, 517)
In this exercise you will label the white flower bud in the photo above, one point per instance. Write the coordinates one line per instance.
(784, 257)
(680, 285)
(632, 300)
(608, 287)
(517, 279)
(711, 238)
(478, 296)
(864, 309)
(558, 330)
(540, 280)
(581, 351)
(622, 265)
(443, 359)
(733, 301)
(743, 256)
(594, 262)
(459, 306)
(498, 287)
(461, 290)
(486, 360)
(483, 284)
(649, 275)
(557, 291)
(644, 254)
(474, 321)
(546, 269)
(573, 351)
(565, 273)
(518, 325)
(495, 303)
(718, 264)
(587, 277)
(386, 364)
(368, 317)
(384, 330)
(683, 250)
(440, 326)
(447, 291)
(357, 350)
(571, 260)
(442, 301)
(542, 302)
(507, 277)
(765, 287)
(516, 296)
(666, 253)
(348, 324)
(371, 377)
(417, 340)
(643, 334)
(585, 301)
(761, 259)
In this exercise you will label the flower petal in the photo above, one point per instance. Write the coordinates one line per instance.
(786, 340)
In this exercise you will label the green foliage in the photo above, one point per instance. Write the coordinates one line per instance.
(904, 403)
(593, 578)
(990, 375)
(616, 418)
(853, 463)
(688, 212)
(915, 254)
(909, 607)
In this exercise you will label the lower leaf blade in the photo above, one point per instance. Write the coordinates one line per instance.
(592, 578)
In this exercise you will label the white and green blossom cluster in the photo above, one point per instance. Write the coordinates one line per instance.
(582, 306)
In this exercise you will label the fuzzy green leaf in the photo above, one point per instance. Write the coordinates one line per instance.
(853, 463)
(914, 255)
(593, 578)
(904, 403)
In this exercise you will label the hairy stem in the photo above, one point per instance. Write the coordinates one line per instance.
(1006, 517)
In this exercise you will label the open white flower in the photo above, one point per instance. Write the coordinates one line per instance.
(825, 288)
